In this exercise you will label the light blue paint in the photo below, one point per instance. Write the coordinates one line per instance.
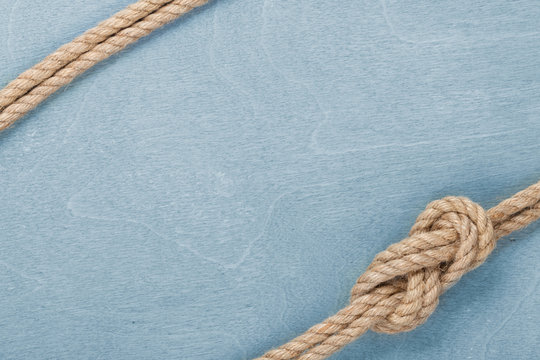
(216, 189)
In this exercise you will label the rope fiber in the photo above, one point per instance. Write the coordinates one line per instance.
(401, 287)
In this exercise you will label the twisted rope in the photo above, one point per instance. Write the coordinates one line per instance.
(401, 287)
(34, 85)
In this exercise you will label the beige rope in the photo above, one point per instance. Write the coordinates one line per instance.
(401, 287)
(59, 68)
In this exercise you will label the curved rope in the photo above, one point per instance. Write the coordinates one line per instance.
(34, 85)
(401, 287)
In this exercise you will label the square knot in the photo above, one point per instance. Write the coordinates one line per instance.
(403, 283)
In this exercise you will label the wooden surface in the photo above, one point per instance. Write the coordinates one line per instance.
(217, 188)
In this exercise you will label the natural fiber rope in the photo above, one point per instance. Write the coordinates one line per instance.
(401, 287)
(109, 37)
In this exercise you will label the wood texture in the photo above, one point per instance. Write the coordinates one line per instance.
(227, 163)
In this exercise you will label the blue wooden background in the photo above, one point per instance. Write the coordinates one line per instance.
(216, 189)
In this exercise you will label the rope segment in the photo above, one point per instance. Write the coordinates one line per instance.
(58, 69)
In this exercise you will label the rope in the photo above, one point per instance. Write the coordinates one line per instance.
(401, 287)
(34, 85)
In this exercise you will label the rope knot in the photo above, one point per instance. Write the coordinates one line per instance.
(401, 287)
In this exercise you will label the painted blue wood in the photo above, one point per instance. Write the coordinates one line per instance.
(216, 189)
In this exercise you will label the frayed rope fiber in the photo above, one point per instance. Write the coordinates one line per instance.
(401, 287)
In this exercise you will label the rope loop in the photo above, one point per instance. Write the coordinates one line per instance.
(450, 237)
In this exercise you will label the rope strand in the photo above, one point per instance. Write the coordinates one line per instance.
(36, 84)
(401, 287)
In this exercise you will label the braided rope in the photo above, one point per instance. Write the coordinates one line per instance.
(34, 85)
(401, 287)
